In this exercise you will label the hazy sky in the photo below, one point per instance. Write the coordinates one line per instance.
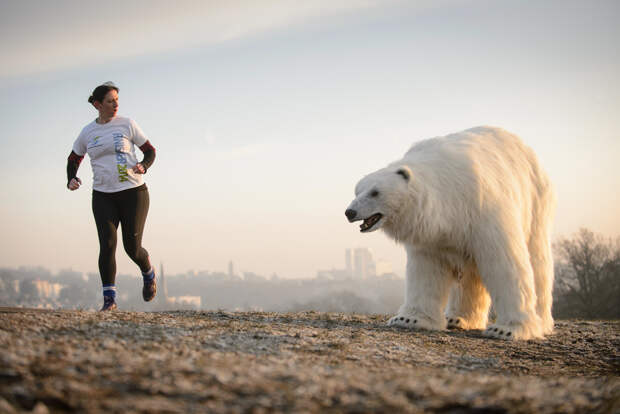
(265, 114)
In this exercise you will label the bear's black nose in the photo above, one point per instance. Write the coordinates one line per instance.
(350, 214)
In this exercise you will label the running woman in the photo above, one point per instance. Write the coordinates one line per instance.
(119, 192)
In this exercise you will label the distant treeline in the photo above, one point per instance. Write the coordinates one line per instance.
(587, 277)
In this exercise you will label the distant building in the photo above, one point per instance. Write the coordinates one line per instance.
(384, 267)
(47, 290)
(347, 261)
(163, 301)
(333, 274)
(162, 278)
(253, 277)
(359, 264)
(231, 269)
(363, 263)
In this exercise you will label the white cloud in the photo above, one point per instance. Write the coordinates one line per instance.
(43, 36)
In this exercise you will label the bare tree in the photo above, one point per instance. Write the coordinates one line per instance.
(587, 277)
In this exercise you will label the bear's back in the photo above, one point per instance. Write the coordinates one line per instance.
(480, 147)
(483, 135)
(482, 166)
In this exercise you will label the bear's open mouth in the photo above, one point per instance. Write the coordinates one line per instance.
(370, 222)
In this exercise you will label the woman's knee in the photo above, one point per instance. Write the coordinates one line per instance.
(107, 246)
(135, 252)
(131, 249)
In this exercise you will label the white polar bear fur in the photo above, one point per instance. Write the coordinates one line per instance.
(474, 211)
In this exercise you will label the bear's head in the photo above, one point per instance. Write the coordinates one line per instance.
(380, 198)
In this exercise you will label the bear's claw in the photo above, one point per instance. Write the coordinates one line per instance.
(415, 321)
(403, 322)
(499, 333)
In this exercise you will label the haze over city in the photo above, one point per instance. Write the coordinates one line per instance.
(266, 114)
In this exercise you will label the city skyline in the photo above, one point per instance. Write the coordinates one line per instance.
(39, 288)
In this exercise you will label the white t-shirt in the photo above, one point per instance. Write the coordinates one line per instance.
(111, 149)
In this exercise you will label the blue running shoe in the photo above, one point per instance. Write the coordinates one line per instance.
(149, 289)
(108, 304)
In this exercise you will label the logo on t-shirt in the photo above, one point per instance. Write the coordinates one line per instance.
(121, 158)
(95, 142)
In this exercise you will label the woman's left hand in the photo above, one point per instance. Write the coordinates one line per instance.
(139, 169)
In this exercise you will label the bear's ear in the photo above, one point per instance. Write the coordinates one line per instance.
(405, 172)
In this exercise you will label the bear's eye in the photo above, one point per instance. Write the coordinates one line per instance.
(403, 173)
(374, 193)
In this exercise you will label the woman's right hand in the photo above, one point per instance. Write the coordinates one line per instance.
(74, 184)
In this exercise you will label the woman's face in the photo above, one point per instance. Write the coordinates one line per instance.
(109, 106)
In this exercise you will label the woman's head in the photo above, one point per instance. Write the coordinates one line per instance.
(105, 99)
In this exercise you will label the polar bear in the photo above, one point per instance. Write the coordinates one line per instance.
(474, 211)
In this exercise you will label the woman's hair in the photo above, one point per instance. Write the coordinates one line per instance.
(101, 91)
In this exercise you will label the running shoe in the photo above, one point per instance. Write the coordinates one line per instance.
(149, 289)
(108, 304)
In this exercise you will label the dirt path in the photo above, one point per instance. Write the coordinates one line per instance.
(75, 361)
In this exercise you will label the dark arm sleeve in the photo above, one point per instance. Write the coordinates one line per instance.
(73, 163)
(149, 155)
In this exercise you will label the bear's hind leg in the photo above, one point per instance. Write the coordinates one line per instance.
(468, 307)
(541, 259)
(505, 269)
(426, 292)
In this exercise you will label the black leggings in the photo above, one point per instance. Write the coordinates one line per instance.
(129, 207)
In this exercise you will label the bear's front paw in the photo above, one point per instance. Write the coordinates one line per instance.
(413, 322)
(500, 332)
(511, 331)
(403, 321)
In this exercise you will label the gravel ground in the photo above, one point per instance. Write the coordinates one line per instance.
(188, 361)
